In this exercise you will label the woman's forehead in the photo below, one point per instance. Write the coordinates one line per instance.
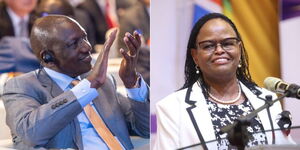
(216, 28)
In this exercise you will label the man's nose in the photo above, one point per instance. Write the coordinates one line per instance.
(86, 46)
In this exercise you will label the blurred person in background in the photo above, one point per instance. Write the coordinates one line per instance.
(128, 16)
(103, 15)
(16, 55)
(136, 17)
(15, 16)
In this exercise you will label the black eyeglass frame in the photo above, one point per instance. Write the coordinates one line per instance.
(211, 45)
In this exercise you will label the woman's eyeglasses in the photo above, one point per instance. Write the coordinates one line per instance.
(226, 44)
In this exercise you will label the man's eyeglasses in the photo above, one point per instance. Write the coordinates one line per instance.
(226, 44)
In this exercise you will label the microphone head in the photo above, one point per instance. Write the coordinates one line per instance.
(271, 83)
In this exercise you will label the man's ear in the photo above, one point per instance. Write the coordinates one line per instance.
(41, 54)
(47, 58)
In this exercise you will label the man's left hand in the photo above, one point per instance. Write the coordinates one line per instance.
(127, 70)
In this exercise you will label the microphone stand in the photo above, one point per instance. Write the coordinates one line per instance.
(237, 133)
(199, 144)
(268, 100)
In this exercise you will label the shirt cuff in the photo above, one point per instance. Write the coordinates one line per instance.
(84, 93)
(138, 94)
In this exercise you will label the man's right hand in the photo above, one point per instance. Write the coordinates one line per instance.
(98, 75)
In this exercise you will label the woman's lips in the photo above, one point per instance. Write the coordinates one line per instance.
(221, 60)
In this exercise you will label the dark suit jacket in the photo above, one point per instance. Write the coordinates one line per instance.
(40, 114)
(97, 18)
(6, 26)
(134, 18)
(84, 20)
(143, 63)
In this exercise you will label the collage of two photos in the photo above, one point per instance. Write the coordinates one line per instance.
(149, 75)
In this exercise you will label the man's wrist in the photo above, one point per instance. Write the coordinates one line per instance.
(132, 83)
(137, 82)
(140, 93)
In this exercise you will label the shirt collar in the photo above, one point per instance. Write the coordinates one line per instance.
(62, 80)
(15, 18)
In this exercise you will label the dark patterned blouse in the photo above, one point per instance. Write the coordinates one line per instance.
(223, 115)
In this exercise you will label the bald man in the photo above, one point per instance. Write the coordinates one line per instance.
(46, 109)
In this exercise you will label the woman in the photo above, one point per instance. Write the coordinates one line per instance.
(218, 89)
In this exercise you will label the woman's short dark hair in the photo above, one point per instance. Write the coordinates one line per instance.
(191, 77)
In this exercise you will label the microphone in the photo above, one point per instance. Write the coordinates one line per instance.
(278, 86)
(284, 121)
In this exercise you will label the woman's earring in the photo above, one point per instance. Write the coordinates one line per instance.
(239, 66)
(197, 69)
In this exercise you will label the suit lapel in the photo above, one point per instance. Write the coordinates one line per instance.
(256, 103)
(108, 108)
(104, 108)
(199, 114)
(77, 138)
(48, 83)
